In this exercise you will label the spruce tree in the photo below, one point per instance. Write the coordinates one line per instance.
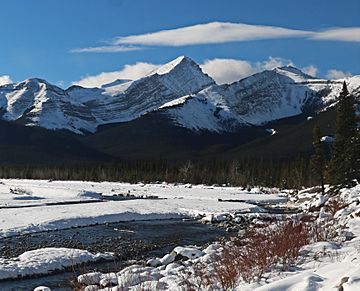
(357, 156)
(318, 161)
(343, 160)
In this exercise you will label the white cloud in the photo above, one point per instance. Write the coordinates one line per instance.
(218, 32)
(273, 62)
(5, 80)
(227, 70)
(339, 34)
(129, 72)
(310, 70)
(106, 49)
(221, 70)
(337, 74)
(210, 33)
(232, 70)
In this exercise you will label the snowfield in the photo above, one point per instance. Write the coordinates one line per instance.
(44, 203)
(331, 263)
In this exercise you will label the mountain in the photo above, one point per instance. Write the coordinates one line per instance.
(261, 98)
(34, 145)
(35, 102)
(176, 111)
(180, 91)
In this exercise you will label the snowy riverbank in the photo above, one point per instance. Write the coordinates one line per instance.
(325, 264)
(38, 212)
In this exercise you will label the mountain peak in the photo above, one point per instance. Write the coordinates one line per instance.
(164, 69)
(292, 70)
(34, 80)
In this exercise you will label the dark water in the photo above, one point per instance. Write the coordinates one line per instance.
(129, 240)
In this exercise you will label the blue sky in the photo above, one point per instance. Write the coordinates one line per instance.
(56, 40)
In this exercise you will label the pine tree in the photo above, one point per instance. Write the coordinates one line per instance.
(318, 161)
(357, 156)
(343, 161)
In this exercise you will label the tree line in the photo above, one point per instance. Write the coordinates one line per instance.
(343, 167)
(285, 174)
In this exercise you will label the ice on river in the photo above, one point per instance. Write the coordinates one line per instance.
(175, 201)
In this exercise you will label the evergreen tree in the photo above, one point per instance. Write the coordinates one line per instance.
(318, 161)
(356, 155)
(343, 161)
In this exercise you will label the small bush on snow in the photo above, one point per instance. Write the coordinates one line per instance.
(335, 204)
(249, 256)
(20, 191)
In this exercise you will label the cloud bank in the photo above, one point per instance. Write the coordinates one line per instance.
(217, 33)
(209, 33)
(351, 34)
(337, 74)
(106, 49)
(221, 70)
(129, 72)
(225, 71)
(310, 70)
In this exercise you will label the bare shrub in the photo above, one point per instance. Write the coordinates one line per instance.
(319, 232)
(248, 257)
(335, 204)
(226, 269)
(199, 279)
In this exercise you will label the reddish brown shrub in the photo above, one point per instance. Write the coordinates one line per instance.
(334, 205)
(250, 256)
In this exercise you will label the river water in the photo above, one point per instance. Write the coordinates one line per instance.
(128, 240)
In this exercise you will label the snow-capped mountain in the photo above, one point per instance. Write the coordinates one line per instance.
(256, 100)
(180, 91)
(36, 102)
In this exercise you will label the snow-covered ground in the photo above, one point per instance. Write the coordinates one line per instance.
(332, 264)
(329, 264)
(46, 260)
(175, 201)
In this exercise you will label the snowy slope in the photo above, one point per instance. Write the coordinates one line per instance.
(258, 99)
(179, 90)
(36, 102)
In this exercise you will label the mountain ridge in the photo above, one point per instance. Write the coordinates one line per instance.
(179, 90)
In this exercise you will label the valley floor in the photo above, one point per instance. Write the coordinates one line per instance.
(33, 206)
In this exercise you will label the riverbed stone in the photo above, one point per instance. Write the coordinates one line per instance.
(189, 252)
(90, 278)
(91, 288)
(42, 288)
(168, 258)
(109, 279)
(155, 262)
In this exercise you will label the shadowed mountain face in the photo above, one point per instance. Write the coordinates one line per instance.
(29, 145)
(175, 112)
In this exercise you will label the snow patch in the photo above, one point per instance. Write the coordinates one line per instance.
(44, 261)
